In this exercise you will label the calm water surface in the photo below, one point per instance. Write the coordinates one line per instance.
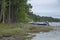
(52, 35)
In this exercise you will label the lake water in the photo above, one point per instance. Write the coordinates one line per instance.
(54, 23)
(52, 35)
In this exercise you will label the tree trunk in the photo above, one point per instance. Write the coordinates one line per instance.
(9, 11)
(3, 11)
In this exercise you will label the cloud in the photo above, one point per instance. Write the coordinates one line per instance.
(46, 7)
(42, 1)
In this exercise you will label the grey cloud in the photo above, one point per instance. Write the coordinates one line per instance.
(52, 9)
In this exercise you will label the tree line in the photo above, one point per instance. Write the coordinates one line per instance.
(37, 18)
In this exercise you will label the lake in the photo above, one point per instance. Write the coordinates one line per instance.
(54, 23)
(52, 35)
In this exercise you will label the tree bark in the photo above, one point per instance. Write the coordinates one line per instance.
(3, 11)
(9, 11)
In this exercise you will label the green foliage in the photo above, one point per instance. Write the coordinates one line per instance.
(15, 11)
(27, 19)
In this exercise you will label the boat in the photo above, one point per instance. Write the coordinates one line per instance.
(43, 23)
(40, 23)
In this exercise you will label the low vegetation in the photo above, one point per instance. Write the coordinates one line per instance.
(35, 28)
(22, 30)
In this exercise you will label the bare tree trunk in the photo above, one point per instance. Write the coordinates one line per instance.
(3, 11)
(9, 11)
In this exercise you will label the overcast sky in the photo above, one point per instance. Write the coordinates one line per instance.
(46, 7)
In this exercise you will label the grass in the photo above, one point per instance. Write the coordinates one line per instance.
(29, 28)
(39, 29)
(8, 30)
(36, 30)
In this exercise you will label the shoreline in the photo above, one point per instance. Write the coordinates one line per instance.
(20, 31)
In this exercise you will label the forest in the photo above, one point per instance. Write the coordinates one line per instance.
(14, 11)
